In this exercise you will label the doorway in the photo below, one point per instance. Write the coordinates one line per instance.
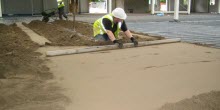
(97, 6)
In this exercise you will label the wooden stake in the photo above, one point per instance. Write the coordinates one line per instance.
(74, 14)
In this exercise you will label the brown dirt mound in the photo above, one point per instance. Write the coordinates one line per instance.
(206, 101)
(23, 74)
(18, 54)
(61, 33)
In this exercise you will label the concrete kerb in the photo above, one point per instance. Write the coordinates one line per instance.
(42, 41)
(108, 47)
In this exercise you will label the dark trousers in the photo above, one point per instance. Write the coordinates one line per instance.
(101, 37)
(62, 13)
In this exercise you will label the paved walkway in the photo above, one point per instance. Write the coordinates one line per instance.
(202, 32)
(194, 28)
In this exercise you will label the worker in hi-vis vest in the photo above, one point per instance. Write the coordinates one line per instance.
(108, 27)
(61, 6)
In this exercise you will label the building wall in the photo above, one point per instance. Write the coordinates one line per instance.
(142, 6)
(0, 8)
(214, 8)
(201, 6)
(120, 3)
(29, 6)
(204, 7)
(171, 4)
(84, 6)
(52, 4)
(196, 6)
(136, 7)
(218, 7)
(114, 4)
(37, 6)
(156, 5)
(17, 7)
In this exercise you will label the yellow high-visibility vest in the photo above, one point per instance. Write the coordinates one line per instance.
(98, 27)
(60, 3)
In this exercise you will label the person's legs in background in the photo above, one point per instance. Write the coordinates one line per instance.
(101, 37)
(60, 11)
(64, 15)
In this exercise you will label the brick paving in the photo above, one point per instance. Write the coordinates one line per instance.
(203, 32)
(195, 28)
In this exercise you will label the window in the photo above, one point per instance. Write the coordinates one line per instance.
(212, 2)
(185, 2)
(162, 1)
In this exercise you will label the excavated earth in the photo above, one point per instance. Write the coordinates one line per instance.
(62, 33)
(23, 75)
(26, 82)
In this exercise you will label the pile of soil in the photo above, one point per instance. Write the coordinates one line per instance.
(24, 77)
(23, 74)
(205, 101)
(62, 33)
(18, 54)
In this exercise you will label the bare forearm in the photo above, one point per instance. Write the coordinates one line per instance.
(128, 33)
(110, 35)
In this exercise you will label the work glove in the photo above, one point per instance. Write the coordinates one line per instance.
(119, 43)
(134, 41)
